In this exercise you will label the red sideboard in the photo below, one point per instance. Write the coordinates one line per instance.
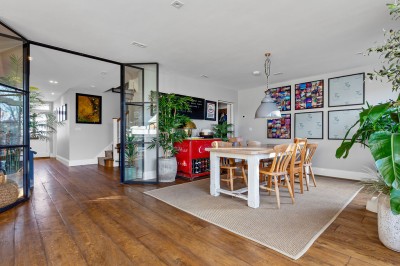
(193, 159)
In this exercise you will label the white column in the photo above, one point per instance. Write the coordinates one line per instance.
(214, 176)
(253, 182)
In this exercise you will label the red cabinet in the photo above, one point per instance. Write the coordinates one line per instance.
(193, 159)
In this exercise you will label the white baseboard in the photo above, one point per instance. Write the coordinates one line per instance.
(62, 160)
(340, 173)
(75, 162)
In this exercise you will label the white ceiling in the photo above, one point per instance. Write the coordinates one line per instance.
(225, 39)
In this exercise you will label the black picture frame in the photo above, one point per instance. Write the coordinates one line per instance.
(210, 110)
(65, 112)
(284, 101)
(275, 126)
(88, 109)
(305, 95)
(345, 124)
(336, 94)
(321, 126)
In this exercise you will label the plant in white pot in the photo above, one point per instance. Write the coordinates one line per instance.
(379, 130)
(170, 124)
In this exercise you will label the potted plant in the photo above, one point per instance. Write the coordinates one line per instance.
(222, 130)
(170, 122)
(131, 154)
(378, 129)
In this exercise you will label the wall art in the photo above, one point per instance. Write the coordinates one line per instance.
(279, 128)
(346, 90)
(211, 108)
(309, 125)
(282, 96)
(309, 95)
(340, 121)
(88, 109)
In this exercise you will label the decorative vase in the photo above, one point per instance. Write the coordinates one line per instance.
(167, 169)
(388, 225)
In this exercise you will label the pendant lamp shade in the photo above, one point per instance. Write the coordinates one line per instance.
(268, 108)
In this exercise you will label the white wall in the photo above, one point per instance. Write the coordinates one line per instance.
(79, 144)
(325, 162)
(201, 88)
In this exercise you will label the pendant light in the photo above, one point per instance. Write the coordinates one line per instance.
(268, 108)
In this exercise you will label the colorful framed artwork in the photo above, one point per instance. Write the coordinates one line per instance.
(88, 109)
(282, 96)
(279, 128)
(340, 121)
(211, 109)
(346, 90)
(309, 125)
(309, 95)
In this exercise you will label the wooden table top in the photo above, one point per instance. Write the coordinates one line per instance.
(245, 150)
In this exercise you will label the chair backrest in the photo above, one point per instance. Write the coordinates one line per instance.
(299, 157)
(253, 143)
(283, 156)
(236, 141)
(221, 144)
(311, 148)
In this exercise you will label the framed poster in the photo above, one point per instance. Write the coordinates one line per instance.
(340, 121)
(211, 109)
(309, 95)
(282, 96)
(346, 90)
(65, 112)
(279, 128)
(88, 109)
(309, 125)
(62, 112)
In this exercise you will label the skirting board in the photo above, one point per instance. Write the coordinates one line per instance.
(75, 162)
(340, 173)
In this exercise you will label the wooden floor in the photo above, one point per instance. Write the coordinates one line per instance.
(83, 216)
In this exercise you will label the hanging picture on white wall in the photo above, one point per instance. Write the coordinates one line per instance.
(279, 128)
(339, 122)
(309, 125)
(346, 90)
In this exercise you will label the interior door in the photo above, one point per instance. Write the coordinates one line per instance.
(139, 147)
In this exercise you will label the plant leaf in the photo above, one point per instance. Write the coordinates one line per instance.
(396, 159)
(395, 201)
(380, 146)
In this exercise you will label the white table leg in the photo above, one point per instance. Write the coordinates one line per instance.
(214, 176)
(253, 194)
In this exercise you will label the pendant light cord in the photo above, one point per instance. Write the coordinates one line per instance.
(267, 69)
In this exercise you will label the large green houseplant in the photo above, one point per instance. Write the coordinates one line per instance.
(170, 122)
(379, 130)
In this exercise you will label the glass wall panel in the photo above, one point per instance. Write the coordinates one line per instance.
(11, 116)
(11, 170)
(11, 62)
(150, 81)
(6, 31)
(142, 121)
(140, 161)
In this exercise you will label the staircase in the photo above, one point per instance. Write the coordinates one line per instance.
(106, 161)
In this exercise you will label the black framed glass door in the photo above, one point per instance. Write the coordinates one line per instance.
(139, 131)
(14, 118)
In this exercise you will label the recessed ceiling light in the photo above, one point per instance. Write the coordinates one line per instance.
(30, 58)
(138, 44)
(204, 76)
(256, 73)
(92, 86)
(52, 93)
(177, 4)
(53, 81)
(278, 73)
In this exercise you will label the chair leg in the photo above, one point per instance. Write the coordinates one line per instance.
(312, 175)
(231, 178)
(306, 178)
(277, 192)
(291, 176)
(244, 176)
(290, 189)
(269, 184)
(301, 182)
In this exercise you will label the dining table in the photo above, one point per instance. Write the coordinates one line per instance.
(252, 155)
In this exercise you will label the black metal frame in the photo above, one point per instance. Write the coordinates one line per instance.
(290, 132)
(329, 90)
(323, 94)
(77, 107)
(322, 113)
(332, 111)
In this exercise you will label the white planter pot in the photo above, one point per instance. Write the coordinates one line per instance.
(167, 169)
(388, 224)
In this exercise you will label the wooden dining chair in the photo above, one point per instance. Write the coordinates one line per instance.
(253, 143)
(278, 169)
(311, 148)
(236, 141)
(229, 165)
(295, 168)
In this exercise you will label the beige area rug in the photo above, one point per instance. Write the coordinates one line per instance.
(290, 230)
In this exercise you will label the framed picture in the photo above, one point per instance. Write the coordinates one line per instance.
(65, 112)
(88, 109)
(279, 128)
(340, 121)
(211, 109)
(309, 125)
(282, 96)
(346, 90)
(309, 95)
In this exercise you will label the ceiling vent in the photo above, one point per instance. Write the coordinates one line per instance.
(138, 44)
(177, 4)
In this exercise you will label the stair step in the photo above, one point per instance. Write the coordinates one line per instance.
(109, 154)
(102, 160)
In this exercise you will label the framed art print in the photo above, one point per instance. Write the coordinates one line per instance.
(309, 95)
(279, 128)
(65, 112)
(88, 109)
(309, 125)
(340, 121)
(282, 96)
(346, 90)
(210, 109)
